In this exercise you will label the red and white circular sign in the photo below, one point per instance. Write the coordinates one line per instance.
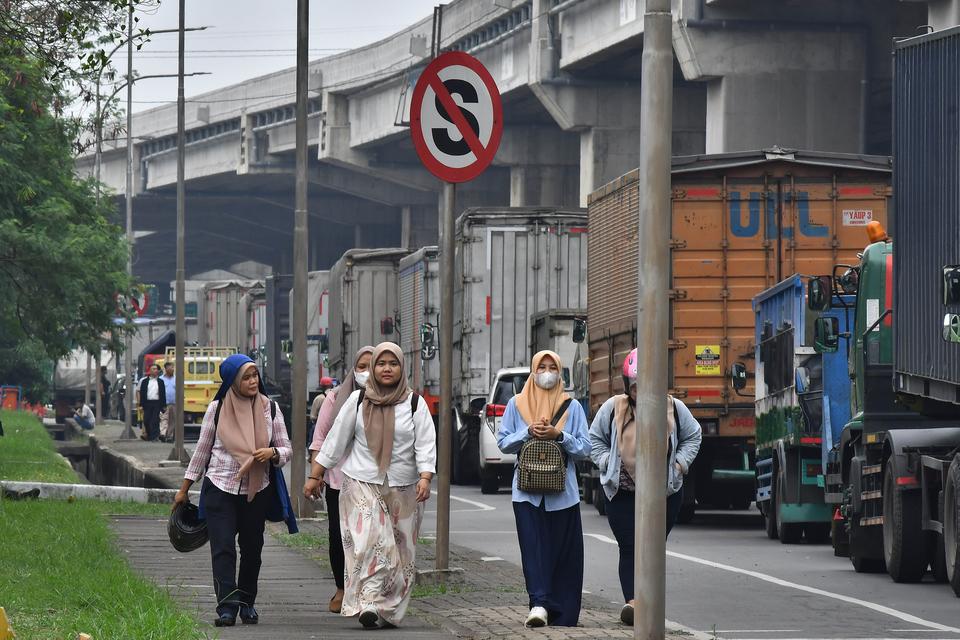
(456, 118)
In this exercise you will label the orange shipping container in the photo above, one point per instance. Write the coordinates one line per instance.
(740, 223)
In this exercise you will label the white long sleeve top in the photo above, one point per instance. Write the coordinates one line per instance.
(414, 445)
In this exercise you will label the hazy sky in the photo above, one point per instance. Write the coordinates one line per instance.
(248, 38)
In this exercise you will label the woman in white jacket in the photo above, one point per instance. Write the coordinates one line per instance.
(388, 439)
(613, 449)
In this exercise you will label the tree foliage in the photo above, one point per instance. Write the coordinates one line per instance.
(61, 262)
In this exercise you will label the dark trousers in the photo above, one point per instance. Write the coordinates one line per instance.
(105, 406)
(230, 517)
(151, 418)
(336, 541)
(620, 515)
(551, 551)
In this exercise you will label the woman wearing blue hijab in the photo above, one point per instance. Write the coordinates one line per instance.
(241, 436)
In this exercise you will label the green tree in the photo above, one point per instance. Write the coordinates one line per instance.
(61, 262)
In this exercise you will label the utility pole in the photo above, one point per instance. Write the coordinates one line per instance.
(656, 98)
(178, 452)
(128, 433)
(300, 247)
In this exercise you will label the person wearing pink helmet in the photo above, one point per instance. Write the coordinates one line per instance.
(613, 436)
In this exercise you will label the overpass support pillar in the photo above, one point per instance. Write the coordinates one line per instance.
(800, 86)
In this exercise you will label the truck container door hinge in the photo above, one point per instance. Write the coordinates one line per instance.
(675, 343)
(677, 294)
(678, 244)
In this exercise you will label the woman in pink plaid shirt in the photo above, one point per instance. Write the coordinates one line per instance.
(242, 434)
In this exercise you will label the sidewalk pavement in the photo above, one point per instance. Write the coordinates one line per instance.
(487, 600)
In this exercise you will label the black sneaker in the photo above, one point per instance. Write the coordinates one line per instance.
(248, 615)
(226, 619)
(369, 618)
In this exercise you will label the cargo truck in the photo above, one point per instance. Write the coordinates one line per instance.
(511, 264)
(740, 223)
(223, 312)
(802, 405)
(897, 483)
(364, 303)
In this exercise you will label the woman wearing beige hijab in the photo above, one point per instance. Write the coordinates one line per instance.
(548, 525)
(389, 444)
(240, 437)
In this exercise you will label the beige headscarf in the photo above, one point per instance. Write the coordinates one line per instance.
(242, 430)
(349, 384)
(378, 407)
(533, 402)
(624, 420)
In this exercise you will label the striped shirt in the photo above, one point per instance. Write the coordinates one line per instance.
(221, 467)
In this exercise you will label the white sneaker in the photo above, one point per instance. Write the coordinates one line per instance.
(537, 617)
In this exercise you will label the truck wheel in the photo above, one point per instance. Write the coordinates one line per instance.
(817, 532)
(589, 490)
(936, 556)
(839, 539)
(903, 548)
(600, 502)
(951, 525)
(489, 482)
(465, 456)
(858, 548)
(788, 532)
(686, 514)
(770, 518)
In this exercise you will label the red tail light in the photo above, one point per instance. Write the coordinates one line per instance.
(495, 410)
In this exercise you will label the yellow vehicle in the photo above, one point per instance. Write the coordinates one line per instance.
(201, 380)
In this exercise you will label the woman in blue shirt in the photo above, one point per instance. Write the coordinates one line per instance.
(548, 525)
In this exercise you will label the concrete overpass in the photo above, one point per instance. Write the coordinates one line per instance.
(748, 74)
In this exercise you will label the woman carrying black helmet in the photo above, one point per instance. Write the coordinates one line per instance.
(242, 439)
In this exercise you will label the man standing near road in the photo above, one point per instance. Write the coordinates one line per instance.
(167, 416)
(153, 399)
(104, 393)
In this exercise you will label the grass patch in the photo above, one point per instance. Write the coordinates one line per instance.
(60, 575)
(311, 545)
(28, 453)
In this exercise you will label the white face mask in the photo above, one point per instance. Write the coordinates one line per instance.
(361, 377)
(546, 380)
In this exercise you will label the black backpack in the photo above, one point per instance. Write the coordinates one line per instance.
(414, 401)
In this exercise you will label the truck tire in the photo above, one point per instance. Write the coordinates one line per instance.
(936, 556)
(489, 481)
(600, 502)
(686, 514)
(817, 532)
(859, 549)
(951, 526)
(903, 539)
(788, 532)
(465, 457)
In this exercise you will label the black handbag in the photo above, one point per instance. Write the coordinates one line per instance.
(542, 464)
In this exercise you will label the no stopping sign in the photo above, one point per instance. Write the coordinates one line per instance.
(456, 118)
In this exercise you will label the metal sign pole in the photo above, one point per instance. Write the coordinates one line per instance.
(656, 97)
(300, 248)
(178, 452)
(446, 375)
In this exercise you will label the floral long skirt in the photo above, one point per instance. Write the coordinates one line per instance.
(380, 525)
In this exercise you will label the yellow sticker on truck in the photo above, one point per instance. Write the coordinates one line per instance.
(708, 360)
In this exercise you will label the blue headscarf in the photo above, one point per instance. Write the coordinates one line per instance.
(228, 373)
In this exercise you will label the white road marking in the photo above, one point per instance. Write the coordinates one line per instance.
(490, 558)
(879, 608)
(759, 630)
(835, 638)
(916, 630)
(601, 538)
(479, 505)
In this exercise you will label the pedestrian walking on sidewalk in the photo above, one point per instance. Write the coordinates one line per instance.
(388, 438)
(333, 478)
(241, 437)
(613, 436)
(167, 417)
(548, 521)
(153, 400)
(104, 390)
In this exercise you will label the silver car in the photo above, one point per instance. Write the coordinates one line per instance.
(495, 466)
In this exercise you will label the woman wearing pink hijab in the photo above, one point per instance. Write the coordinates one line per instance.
(386, 438)
(332, 404)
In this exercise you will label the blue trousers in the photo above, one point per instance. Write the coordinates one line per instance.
(620, 515)
(551, 550)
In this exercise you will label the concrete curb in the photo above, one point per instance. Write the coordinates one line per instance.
(693, 633)
(53, 491)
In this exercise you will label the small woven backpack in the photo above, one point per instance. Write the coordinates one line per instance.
(542, 464)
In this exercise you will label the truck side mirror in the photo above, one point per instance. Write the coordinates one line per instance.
(386, 326)
(951, 328)
(428, 347)
(818, 293)
(826, 335)
(579, 330)
(738, 375)
(951, 285)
